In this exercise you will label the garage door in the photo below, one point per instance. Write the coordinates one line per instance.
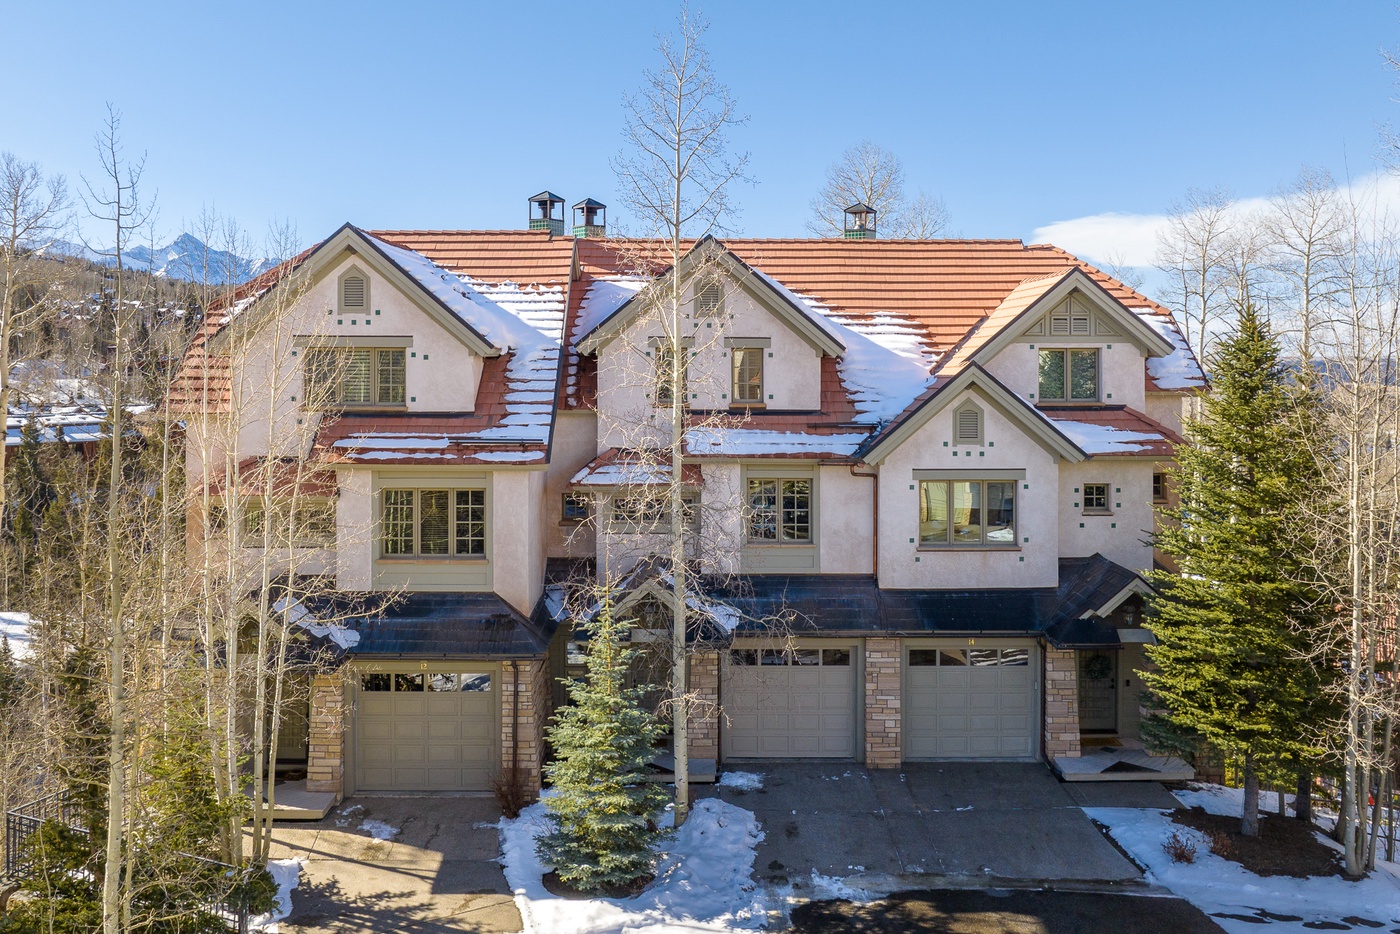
(970, 703)
(427, 731)
(796, 703)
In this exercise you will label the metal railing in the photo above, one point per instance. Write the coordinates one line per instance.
(23, 822)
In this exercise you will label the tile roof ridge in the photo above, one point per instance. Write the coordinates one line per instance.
(1156, 307)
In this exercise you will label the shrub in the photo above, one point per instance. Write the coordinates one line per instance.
(512, 792)
(1181, 849)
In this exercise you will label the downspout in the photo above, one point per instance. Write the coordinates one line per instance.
(875, 536)
(514, 719)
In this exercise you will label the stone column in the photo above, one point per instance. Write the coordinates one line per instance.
(883, 714)
(1061, 670)
(702, 717)
(529, 688)
(325, 757)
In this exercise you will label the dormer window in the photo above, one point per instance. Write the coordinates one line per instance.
(967, 425)
(354, 292)
(1069, 375)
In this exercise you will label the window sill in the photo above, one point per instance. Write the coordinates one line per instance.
(746, 406)
(433, 559)
(946, 548)
(1097, 512)
(765, 543)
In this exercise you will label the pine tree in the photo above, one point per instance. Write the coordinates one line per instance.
(603, 806)
(1231, 628)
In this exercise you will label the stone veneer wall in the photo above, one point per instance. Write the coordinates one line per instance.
(532, 679)
(325, 757)
(1061, 703)
(883, 713)
(702, 719)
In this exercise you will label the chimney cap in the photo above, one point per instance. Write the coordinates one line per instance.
(860, 207)
(547, 196)
(589, 203)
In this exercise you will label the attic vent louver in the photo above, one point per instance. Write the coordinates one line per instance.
(1077, 326)
(352, 294)
(708, 300)
(969, 426)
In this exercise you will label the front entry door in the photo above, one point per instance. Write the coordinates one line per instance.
(1098, 697)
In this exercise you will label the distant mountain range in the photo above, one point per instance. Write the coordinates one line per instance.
(186, 257)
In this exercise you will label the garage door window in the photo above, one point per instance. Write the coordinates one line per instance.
(408, 682)
(977, 658)
(375, 682)
(826, 658)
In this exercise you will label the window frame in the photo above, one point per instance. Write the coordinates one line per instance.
(661, 381)
(587, 510)
(1159, 486)
(779, 510)
(256, 506)
(950, 505)
(339, 365)
(1067, 354)
(736, 355)
(478, 529)
(1102, 508)
(656, 523)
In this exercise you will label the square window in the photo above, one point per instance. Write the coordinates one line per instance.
(780, 511)
(578, 507)
(1096, 497)
(1069, 375)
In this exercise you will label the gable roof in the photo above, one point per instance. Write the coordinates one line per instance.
(762, 288)
(942, 394)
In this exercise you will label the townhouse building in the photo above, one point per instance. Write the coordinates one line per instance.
(920, 480)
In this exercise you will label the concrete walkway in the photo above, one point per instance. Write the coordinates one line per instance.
(933, 824)
(438, 873)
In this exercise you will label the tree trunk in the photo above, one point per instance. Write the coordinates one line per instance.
(1302, 801)
(1249, 819)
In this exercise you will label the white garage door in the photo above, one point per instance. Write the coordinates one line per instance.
(427, 731)
(797, 703)
(970, 703)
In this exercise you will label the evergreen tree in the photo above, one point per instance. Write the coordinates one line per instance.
(603, 807)
(1232, 627)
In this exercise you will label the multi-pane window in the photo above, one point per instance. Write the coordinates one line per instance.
(967, 512)
(1159, 487)
(748, 376)
(312, 524)
(650, 513)
(973, 658)
(780, 510)
(436, 682)
(433, 523)
(355, 376)
(1069, 375)
(577, 507)
(1096, 497)
(826, 658)
(665, 375)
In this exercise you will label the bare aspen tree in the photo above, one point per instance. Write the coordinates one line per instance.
(1305, 226)
(32, 209)
(1195, 250)
(868, 173)
(676, 176)
(1357, 519)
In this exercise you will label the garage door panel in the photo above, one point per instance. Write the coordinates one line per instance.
(970, 711)
(426, 740)
(789, 710)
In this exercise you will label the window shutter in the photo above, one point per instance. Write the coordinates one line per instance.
(707, 302)
(353, 292)
(969, 425)
(1079, 326)
(1059, 326)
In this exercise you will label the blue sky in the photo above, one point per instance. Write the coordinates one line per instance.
(449, 114)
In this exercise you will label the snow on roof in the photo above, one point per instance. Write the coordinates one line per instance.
(299, 615)
(15, 627)
(506, 457)
(1105, 439)
(528, 323)
(391, 440)
(605, 295)
(1178, 369)
(630, 473)
(755, 441)
(814, 310)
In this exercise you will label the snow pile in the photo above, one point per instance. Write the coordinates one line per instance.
(1218, 886)
(379, 830)
(1105, 439)
(341, 635)
(1225, 801)
(15, 628)
(703, 879)
(286, 873)
(1178, 369)
(741, 781)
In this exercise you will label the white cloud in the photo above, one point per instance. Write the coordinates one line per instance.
(1132, 239)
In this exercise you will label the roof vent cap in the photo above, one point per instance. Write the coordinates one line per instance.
(590, 219)
(547, 213)
(860, 222)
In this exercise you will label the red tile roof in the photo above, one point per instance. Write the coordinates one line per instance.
(436, 439)
(1148, 438)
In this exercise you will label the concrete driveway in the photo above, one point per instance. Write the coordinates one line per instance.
(437, 873)
(934, 824)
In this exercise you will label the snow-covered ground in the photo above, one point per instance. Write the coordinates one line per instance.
(741, 781)
(704, 880)
(1220, 887)
(15, 627)
(286, 873)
